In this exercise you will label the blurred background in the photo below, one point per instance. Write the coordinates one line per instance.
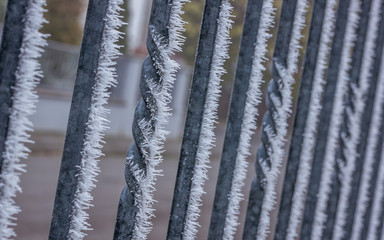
(59, 62)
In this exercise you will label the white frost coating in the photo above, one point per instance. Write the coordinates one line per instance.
(372, 141)
(336, 120)
(248, 126)
(378, 199)
(97, 121)
(207, 137)
(154, 138)
(355, 116)
(283, 111)
(28, 75)
(312, 120)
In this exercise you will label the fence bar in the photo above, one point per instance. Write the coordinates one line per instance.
(263, 161)
(9, 58)
(379, 231)
(373, 183)
(356, 65)
(325, 118)
(344, 157)
(235, 119)
(301, 119)
(341, 158)
(78, 116)
(132, 217)
(371, 99)
(195, 114)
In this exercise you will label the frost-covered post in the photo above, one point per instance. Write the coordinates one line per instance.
(306, 119)
(241, 123)
(202, 114)
(21, 46)
(368, 103)
(87, 120)
(331, 113)
(275, 122)
(338, 209)
(151, 114)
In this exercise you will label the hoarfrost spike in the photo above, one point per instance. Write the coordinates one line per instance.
(151, 114)
(97, 121)
(24, 98)
(353, 113)
(246, 96)
(270, 154)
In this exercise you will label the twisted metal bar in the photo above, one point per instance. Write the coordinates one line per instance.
(134, 209)
(270, 151)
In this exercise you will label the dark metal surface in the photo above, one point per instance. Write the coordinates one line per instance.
(345, 132)
(146, 109)
(194, 119)
(9, 59)
(325, 117)
(235, 118)
(263, 161)
(301, 119)
(373, 184)
(369, 112)
(78, 116)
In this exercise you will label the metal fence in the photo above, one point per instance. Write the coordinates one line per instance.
(331, 165)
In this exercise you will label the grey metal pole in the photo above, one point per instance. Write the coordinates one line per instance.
(235, 118)
(9, 58)
(194, 119)
(263, 160)
(145, 109)
(78, 116)
(325, 117)
(301, 118)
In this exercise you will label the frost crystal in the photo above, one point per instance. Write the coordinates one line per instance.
(24, 98)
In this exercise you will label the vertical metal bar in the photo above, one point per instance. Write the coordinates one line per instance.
(145, 110)
(194, 119)
(380, 228)
(78, 116)
(325, 117)
(370, 101)
(9, 58)
(257, 191)
(364, 125)
(235, 119)
(372, 186)
(354, 79)
(301, 119)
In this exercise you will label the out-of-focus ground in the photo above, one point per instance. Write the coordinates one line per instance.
(39, 186)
